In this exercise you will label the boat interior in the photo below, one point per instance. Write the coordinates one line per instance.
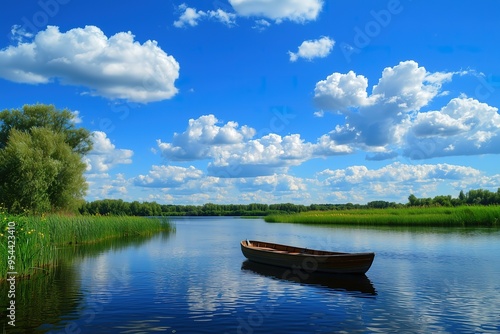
(277, 248)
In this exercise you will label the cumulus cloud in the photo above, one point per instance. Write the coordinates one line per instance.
(104, 186)
(117, 67)
(263, 156)
(390, 118)
(105, 155)
(338, 92)
(201, 137)
(279, 10)
(464, 126)
(275, 183)
(263, 10)
(360, 184)
(402, 88)
(319, 48)
(403, 175)
(233, 152)
(326, 146)
(409, 86)
(191, 16)
(168, 176)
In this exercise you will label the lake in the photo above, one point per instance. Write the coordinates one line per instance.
(196, 280)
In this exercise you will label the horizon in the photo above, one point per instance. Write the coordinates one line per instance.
(242, 102)
(311, 204)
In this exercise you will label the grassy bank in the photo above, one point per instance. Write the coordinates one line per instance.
(31, 241)
(463, 216)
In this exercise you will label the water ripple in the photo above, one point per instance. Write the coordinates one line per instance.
(198, 282)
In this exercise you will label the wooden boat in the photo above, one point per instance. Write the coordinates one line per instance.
(307, 260)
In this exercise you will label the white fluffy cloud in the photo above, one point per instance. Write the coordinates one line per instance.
(402, 88)
(338, 92)
(103, 186)
(191, 16)
(233, 152)
(272, 183)
(279, 10)
(319, 48)
(231, 149)
(117, 67)
(390, 118)
(267, 155)
(262, 10)
(408, 86)
(464, 126)
(359, 184)
(201, 137)
(105, 155)
(396, 173)
(396, 181)
(168, 176)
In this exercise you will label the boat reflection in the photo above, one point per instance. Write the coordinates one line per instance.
(341, 282)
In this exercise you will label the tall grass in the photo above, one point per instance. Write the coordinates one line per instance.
(37, 237)
(464, 216)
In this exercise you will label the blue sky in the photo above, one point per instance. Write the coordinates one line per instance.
(269, 101)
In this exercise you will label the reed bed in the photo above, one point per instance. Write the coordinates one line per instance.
(37, 237)
(464, 216)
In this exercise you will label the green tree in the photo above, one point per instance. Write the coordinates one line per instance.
(462, 197)
(40, 172)
(413, 200)
(45, 116)
(442, 200)
(41, 166)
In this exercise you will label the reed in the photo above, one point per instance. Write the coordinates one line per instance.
(464, 216)
(37, 237)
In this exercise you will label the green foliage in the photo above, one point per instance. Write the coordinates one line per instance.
(464, 216)
(472, 197)
(37, 237)
(40, 172)
(45, 116)
(41, 166)
(119, 207)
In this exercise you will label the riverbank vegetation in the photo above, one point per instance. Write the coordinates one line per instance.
(479, 197)
(463, 216)
(31, 242)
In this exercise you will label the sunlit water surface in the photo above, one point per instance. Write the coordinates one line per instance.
(197, 281)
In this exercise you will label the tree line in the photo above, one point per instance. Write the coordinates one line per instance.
(472, 197)
(136, 208)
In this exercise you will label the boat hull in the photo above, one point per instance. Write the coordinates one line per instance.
(308, 260)
(345, 282)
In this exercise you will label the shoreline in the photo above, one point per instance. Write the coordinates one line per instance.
(462, 216)
(29, 244)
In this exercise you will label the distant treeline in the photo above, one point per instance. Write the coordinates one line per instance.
(120, 207)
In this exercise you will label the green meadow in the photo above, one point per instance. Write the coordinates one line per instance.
(463, 216)
(30, 242)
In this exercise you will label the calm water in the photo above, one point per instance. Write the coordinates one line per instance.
(197, 281)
